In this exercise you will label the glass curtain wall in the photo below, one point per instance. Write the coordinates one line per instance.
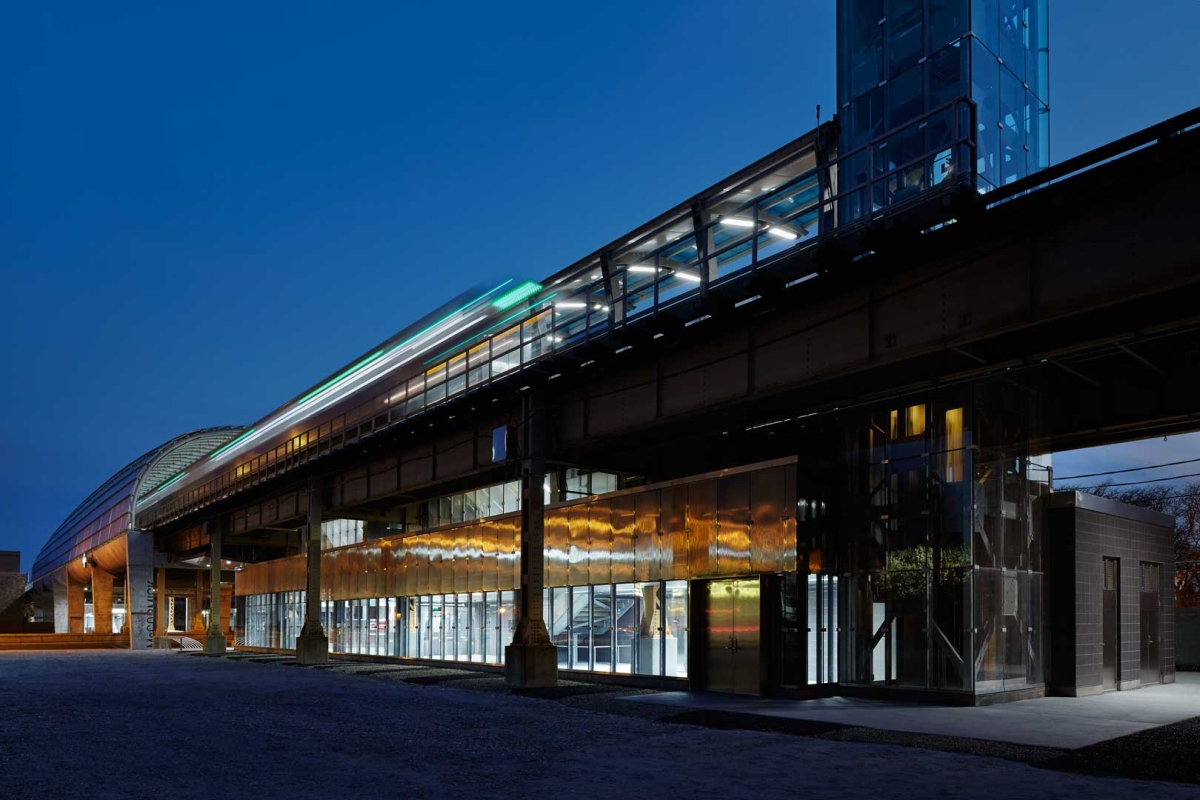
(902, 61)
(941, 540)
(633, 628)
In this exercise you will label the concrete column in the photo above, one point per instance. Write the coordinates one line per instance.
(214, 642)
(102, 601)
(531, 660)
(74, 605)
(62, 616)
(198, 605)
(144, 613)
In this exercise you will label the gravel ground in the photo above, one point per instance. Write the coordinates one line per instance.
(1171, 752)
(113, 724)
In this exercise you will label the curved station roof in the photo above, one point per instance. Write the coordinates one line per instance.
(110, 510)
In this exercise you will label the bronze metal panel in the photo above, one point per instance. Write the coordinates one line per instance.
(354, 575)
(368, 556)
(623, 538)
(439, 565)
(600, 540)
(733, 525)
(767, 539)
(673, 544)
(701, 528)
(577, 572)
(514, 575)
(475, 562)
(487, 557)
(407, 585)
(788, 512)
(336, 575)
(558, 546)
(646, 536)
(460, 547)
(420, 545)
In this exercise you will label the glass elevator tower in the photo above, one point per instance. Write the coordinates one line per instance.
(906, 71)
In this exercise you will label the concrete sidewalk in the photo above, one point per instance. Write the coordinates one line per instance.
(1063, 722)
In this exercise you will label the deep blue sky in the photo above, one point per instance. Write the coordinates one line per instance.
(205, 209)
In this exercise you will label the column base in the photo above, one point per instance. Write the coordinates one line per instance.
(312, 648)
(162, 642)
(214, 644)
(530, 666)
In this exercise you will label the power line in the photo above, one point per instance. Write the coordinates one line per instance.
(1136, 483)
(1131, 469)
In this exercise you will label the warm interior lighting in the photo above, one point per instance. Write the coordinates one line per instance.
(952, 467)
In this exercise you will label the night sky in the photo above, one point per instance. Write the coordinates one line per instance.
(205, 209)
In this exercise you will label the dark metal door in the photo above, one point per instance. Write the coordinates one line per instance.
(1110, 622)
(1148, 630)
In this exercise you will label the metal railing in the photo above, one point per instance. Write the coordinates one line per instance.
(763, 218)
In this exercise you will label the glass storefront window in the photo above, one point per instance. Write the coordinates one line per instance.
(676, 638)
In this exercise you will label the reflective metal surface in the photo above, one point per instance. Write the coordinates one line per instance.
(732, 523)
(732, 636)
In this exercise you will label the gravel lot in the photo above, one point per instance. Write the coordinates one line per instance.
(115, 724)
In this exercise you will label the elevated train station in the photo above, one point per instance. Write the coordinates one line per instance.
(790, 437)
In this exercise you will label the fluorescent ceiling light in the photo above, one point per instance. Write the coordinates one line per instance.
(737, 222)
(641, 268)
(570, 304)
(688, 276)
(783, 233)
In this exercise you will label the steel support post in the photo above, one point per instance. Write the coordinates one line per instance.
(531, 660)
(312, 645)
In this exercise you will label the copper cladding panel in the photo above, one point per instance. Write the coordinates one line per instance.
(420, 563)
(459, 547)
(599, 542)
(487, 557)
(647, 536)
(558, 546)
(673, 544)
(577, 572)
(514, 574)
(623, 526)
(770, 517)
(733, 525)
(369, 564)
(701, 529)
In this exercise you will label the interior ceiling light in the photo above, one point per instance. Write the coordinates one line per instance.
(737, 222)
(688, 276)
(570, 304)
(516, 295)
(783, 233)
(642, 268)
